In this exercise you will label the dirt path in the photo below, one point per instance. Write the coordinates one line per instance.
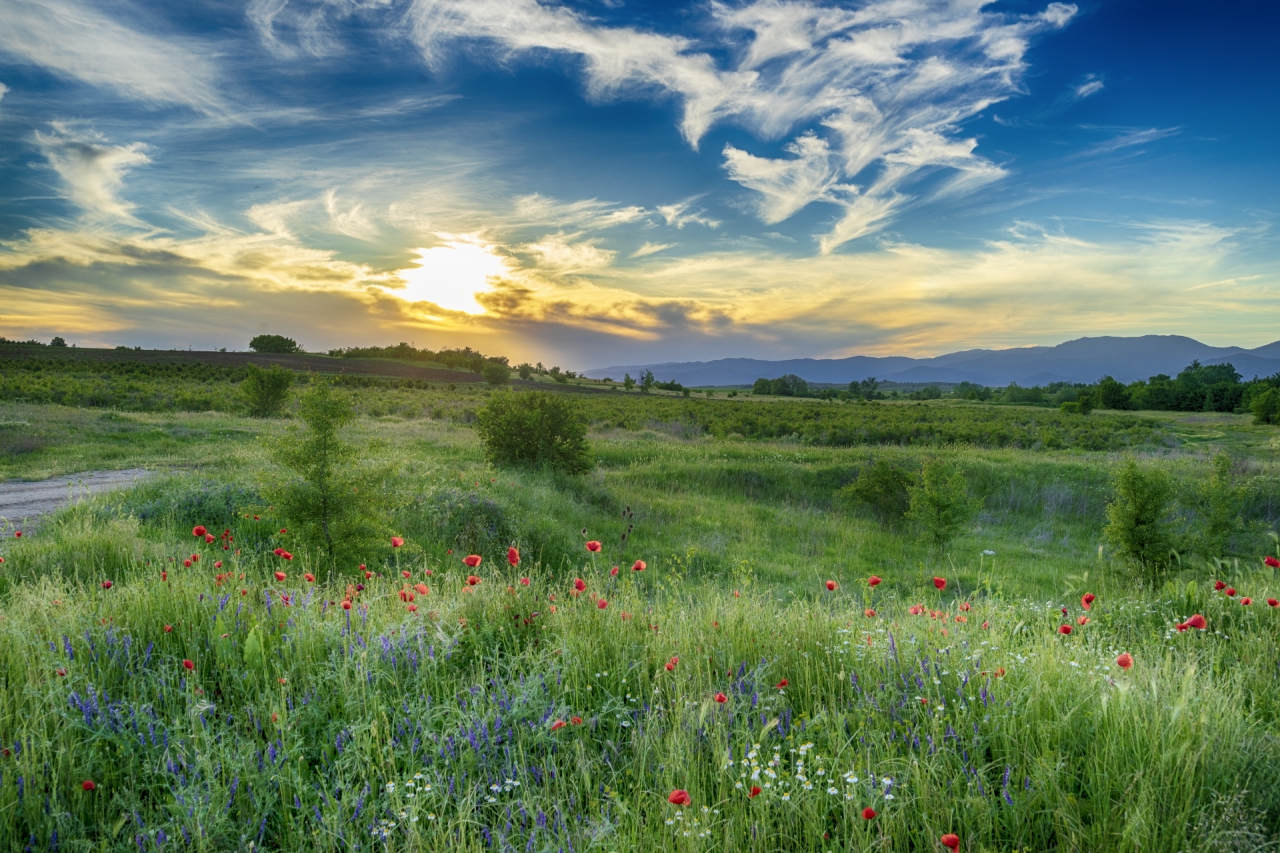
(23, 503)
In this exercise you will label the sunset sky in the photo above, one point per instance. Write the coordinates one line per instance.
(597, 182)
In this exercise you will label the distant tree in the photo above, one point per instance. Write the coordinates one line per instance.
(496, 374)
(628, 382)
(276, 344)
(971, 391)
(265, 391)
(534, 429)
(790, 385)
(58, 342)
(866, 388)
(1112, 394)
(525, 370)
(647, 381)
(762, 386)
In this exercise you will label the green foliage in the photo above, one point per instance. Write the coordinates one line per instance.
(972, 391)
(331, 498)
(496, 374)
(865, 389)
(1138, 526)
(1112, 394)
(1221, 501)
(534, 429)
(882, 487)
(940, 501)
(58, 342)
(928, 392)
(627, 382)
(277, 344)
(265, 391)
(647, 381)
(526, 371)
(1266, 407)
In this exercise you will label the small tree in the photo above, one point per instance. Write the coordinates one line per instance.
(535, 429)
(526, 371)
(1220, 502)
(647, 381)
(1266, 407)
(940, 502)
(883, 488)
(331, 497)
(1137, 524)
(495, 373)
(277, 344)
(265, 391)
(58, 342)
(628, 382)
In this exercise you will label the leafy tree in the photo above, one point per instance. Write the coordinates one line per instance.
(971, 391)
(866, 388)
(628, 382)
(1221, 501)
(883, 488)
(534, 429)
(525, 370)
(647, 381)
(265, 391)
(940, 503)
(790, 385)
(277, 344)
(762, 386)
(1112, 394)
(1266, 407)
(58, 342)
(331, 497)
(495, 373)
(1137, 523)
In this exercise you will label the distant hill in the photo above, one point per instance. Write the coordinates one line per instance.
(1081, 360)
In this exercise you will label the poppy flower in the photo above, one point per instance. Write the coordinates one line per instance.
(593, 546)
(602, 604)
(405, 573)
(669, 666)
(679, 797)
(471, 560)
(613, 573)
(286, 555)
(1182, 627)
(107, 584)
(188, 665)
(1272, 562)
(310, 577)
(1218, 586)
(1197, 621)
(962, 619)
(422, 588)
(721, 698)
(1273, 602)
(869, 613)
(1086, 600)
(781, 684)
(61, 673)
(868, 813)
(940, 583)
(950, 840)
(916, 609)
(524, 581)
(513, 556)
(17, 534)
(472, 580)
(209, 539)
(280, 576)
(1064, 629)
(832, 586)
(966, 606)
(88, 785)
(1246, 601)
(282, 530)
(413, 608)
(1125, 661)
(577, 721)
(1082, 620)
(754, 792)
(396, 541)
(199, 531)
(558, 724)
(168, 629)
(186, 563)
(639, 566)
(579, 584)
(346, 604)
(1000, 672)
(217, 564)
(1, 560)
(874, 581)
(1230, 591)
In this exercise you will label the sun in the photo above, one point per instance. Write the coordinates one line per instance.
(452, 274)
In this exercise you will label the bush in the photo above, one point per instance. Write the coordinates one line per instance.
(1221, 502)
(1137, 523)
(265, 391)
(278, 344)
(883, 488)
(1266, 407)
(495, 373)
(534, 428)
(940, 502)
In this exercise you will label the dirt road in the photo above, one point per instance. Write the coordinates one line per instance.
(21, 503)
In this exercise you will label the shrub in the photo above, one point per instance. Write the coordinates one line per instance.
(1137, 524)
(274, 344)
(534, 428)
(526, 371)
(332, 499)
(1221, 501)
(1266, 407)
(883, 488)
(940, 501)
(495, 373)
(265, 391)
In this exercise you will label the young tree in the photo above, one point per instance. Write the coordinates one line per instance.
(1266, 406)
(534, 429)
(496, 373)
(278, 344)
(526, 371)
(628, 382)
(265, 391)
(1137, 523)
(647, 381)
(940, 501)
(1220, 502)
(883, 488)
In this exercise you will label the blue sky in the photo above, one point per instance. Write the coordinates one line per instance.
(594, 182)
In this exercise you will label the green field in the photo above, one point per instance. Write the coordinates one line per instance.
(304, 726)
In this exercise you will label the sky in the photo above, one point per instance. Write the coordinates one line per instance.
(601, 182)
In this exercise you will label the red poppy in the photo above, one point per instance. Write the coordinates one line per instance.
(916, 609)
(471, 560)
(679, 797)
(186, 664)
(1000, 672)
(593, 546)
(639, 566)
(282, 530)
(524, 581)
(1198, 621)
(1086, 600)
(1246, 601)
(869, 613)
(472, 580)
(602, 604)
(168, 629)
(613, 573)
(781, 684)
(88, 785)
(986, 626)
(413, 608)
(286, 555)
(966, 606)
(579, 584)
(396, 541)
(199, 531)
(209, 539)
(832, 586)
(107, 584)
(577, 721)
(1125, 661)
(186, 563)
(558, 724)
(280, 576)
(874, 581)
(721, 698)
(422, 588)
(310, 577)
(1272, 562)
(1273, 602)
(940, 583)
(217, 564)
(868, 813)
(669, 666)
(513, 556)
(405, 573)
(1082, 620)
(754, 792)
(950, 840)
(346, 604)
(1231, 591)
(1064, 629)
(17, 534)
(1182, 627)
(61, 673)
(1219, 586)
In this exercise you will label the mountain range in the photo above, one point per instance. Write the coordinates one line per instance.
(1080, 360)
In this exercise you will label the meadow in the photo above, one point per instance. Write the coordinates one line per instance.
(218, 698)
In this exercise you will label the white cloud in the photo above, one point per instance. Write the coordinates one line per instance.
(588, 214)
(648, 248)
(1129, 139)
(556, 254)
(92, 171)
(1092, 85)
(73, 40)
(352, 222)
(682, 213)
(857, 89)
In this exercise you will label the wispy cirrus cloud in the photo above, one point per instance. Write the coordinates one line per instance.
(1130, 138)
(92, 170)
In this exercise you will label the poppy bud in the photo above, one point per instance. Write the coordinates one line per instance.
(940, 583)
(88, 785)
(868, 813)
(950, 840)
(832, 586)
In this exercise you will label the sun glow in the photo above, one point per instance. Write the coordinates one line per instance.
(452, 274)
